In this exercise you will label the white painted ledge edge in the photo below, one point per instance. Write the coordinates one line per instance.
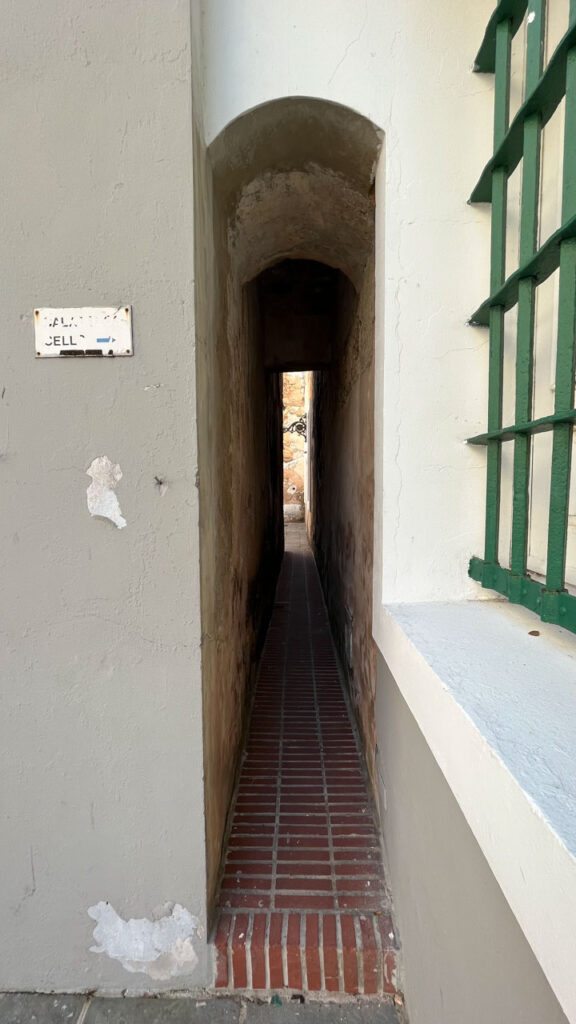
(497, 708)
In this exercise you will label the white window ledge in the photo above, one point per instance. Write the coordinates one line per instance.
(498, 710)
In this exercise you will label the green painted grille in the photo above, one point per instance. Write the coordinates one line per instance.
(518, 141)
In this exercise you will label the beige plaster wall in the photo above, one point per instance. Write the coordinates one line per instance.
(101, 746)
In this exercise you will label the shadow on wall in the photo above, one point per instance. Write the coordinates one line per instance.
(290, 180)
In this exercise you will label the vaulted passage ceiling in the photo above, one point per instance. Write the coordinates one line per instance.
(293, 186)
(298, 313)
(294, 179)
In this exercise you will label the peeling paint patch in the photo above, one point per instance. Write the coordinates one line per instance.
(161, 948)
(102, 500)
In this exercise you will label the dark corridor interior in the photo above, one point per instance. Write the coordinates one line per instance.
(300, 304)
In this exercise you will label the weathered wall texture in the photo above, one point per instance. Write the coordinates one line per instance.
(342, 504)
(101, 744)
(294, 444)
(257, 206)
(240, 480)
(465, 957)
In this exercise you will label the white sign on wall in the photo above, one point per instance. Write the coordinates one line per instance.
(85, 331)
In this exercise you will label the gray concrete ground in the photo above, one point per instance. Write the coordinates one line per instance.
(18, 1008)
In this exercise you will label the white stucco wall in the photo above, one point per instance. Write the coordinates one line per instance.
(101, 770)
(408, 68)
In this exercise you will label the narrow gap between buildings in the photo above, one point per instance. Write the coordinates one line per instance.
(303, 903)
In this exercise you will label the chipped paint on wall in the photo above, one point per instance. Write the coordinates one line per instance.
(161, 947)
(102, 500)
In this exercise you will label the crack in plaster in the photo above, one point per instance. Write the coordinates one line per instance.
(30, 889)
(350, 44)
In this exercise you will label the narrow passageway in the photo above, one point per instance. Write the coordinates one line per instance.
(303, 901)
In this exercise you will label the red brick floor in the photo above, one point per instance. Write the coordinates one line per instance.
(303, 901)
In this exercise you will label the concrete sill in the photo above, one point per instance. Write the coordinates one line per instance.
(497, 707)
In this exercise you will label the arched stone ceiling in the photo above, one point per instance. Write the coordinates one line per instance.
(293, 179)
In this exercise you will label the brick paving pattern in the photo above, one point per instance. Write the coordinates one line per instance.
(303, 901)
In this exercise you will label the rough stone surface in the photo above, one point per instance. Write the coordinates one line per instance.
(311, 1013)
(30, 1008)
(163, 1011)
(49, 1009)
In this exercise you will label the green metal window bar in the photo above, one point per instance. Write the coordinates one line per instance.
(513, 142)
